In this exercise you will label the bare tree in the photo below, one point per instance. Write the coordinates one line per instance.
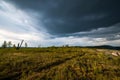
(19, 45)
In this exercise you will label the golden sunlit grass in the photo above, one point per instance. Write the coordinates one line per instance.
(64, 63)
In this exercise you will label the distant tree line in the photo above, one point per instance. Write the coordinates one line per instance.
(10, 45)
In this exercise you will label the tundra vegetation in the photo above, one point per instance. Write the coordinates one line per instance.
(58, 63)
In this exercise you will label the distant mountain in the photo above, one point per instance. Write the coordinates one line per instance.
(105, 47)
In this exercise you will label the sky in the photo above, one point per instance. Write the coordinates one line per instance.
(60, 22)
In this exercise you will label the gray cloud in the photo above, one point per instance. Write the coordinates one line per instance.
(63, 16)
(110, 33)
(59, 22)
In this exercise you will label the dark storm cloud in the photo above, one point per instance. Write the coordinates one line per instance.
(71, 16)
(110, 33)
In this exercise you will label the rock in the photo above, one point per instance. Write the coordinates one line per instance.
(116, 54)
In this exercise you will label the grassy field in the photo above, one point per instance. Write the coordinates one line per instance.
(63, 63)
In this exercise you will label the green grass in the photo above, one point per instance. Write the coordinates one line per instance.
(63, 63)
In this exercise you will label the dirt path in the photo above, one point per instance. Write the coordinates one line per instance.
(56, 63)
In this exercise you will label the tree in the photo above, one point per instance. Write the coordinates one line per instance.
(18, 45)
(39, 46)
(4, 45)
(66, 45)
(14, 46)
(9, 44)
(26, 45)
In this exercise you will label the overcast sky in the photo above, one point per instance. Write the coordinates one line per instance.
(60, 22)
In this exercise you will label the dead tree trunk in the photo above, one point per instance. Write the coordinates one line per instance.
(19, 45)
